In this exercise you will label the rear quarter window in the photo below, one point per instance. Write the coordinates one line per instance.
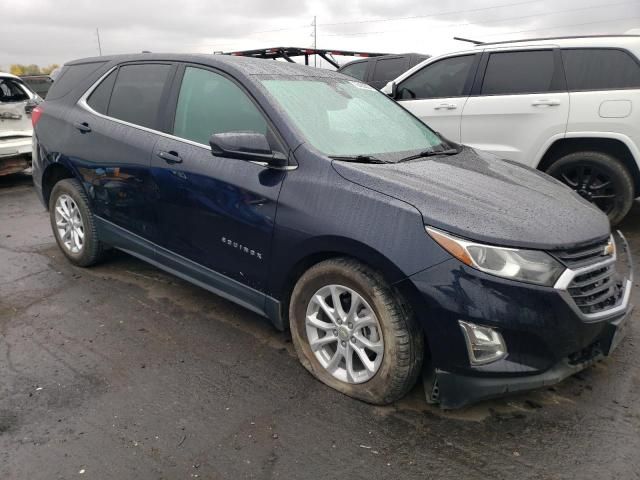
(70, 76)
(600, 69)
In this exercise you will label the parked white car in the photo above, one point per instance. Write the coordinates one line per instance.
(17, 101)
(567, 106)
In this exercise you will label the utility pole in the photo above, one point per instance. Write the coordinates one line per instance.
(315, 38)
(99, 46)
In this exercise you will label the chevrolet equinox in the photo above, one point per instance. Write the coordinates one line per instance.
(316, 201)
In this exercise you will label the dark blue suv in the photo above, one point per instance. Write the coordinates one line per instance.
(313, 199)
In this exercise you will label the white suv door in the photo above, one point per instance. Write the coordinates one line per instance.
(518, 104)
(437, 92)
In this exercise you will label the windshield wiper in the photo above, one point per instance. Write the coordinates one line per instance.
(431, 153)
(357, 158)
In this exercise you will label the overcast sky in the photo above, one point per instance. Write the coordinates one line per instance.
(55, 31)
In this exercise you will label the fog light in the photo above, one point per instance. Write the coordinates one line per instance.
(484, 344)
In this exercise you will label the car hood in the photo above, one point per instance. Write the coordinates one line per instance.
(478, 196)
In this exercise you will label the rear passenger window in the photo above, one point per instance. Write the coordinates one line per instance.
(389, 68)
(444, 78)
(137, 93)
(356, 70)
(600, 69)
(519, 72)
(210, 103)
(99, 98)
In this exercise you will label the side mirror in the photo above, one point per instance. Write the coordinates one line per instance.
(250, 146)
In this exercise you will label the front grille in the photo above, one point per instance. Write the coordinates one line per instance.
(583, 256)
(597, 289)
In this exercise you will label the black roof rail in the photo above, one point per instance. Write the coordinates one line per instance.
(558, 38)
(288, 52)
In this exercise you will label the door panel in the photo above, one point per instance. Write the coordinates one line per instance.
(216, 211)
(111, 141)
(438, 92)
(113, 160)
(520, 101)
(514, 126)
(441, 114)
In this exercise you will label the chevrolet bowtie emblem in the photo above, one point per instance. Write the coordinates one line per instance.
(609, 248)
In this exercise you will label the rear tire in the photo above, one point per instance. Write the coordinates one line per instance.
(392, 331)
(599, 178)
(73, 224)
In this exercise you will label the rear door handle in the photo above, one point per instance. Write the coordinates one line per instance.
(446, 106)
(545, 103)
(82, 126)
(170, 157)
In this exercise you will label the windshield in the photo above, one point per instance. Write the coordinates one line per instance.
(344, 118)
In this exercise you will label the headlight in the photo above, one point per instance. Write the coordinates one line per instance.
(532, 266)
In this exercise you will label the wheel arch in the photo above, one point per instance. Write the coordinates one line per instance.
(52, 175)
(617, 147)
(323, 248)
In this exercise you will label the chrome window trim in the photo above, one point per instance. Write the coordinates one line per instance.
(82, 103)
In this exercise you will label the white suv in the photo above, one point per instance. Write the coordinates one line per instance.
(17, 101)
(567, 106)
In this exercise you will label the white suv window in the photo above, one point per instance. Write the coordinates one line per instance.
(441, 79)
(11, 91)
(529, 71)
(600, 69)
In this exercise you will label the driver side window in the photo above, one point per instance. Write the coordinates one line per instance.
(445, 78)
(210, 103)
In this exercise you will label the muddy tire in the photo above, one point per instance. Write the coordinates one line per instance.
(372, 328)
(73, 224)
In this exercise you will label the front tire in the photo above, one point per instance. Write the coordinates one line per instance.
(354, 333)
(599, 178)
(73, 224)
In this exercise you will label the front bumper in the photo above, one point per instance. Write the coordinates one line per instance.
(458, 390)
(547, 338)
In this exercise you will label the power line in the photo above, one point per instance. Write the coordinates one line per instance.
(489, 21)
(451, 12)
(564, 26)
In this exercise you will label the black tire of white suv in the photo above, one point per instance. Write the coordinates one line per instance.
(598, 177)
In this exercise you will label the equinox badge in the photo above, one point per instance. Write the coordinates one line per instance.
(242, 248)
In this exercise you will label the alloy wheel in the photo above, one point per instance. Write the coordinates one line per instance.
(591, 183)
(69, 224)
(344, 334)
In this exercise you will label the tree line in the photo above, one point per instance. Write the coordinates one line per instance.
(18, 69)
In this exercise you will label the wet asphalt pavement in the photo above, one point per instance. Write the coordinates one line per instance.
(122, 371)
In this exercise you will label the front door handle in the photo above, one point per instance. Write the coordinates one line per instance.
(545, 103)
(446, 106)
(170, 157)
(82, 126)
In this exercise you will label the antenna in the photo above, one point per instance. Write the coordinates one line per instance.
(475, 42)
(99, 46)
(314, 24)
